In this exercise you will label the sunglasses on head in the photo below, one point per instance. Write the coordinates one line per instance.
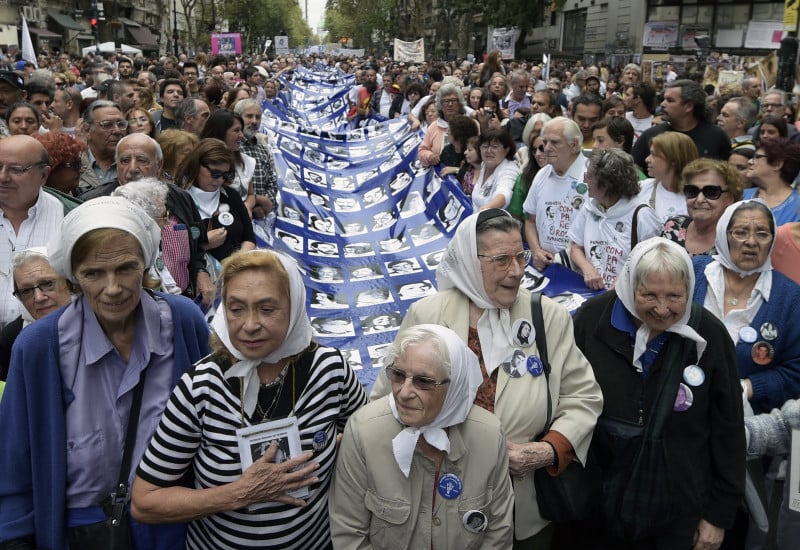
(711, 192)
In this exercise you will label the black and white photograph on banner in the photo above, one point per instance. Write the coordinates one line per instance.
(321, 224)
(291, 214)
(355, 250)
(381, 322)
(384, 220)
(424, 234)
(393, 244)
(374, 196)
(402, 267)
(326, 274)
(414, 291)
(374, 296)
(294, 242)
(365, 272)
(315, 178)
(351, 227)
(326, 300)
(400, 182)
(323, 248)
(343, 183)
(332, 326)
(346, 204)
(412, 205)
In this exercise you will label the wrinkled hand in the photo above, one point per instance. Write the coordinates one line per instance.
(266, 481)
(707, 536)
(206, 288)
(526, 457)
(541, 259)
(52, 122)
(593, 280)
(216, 237)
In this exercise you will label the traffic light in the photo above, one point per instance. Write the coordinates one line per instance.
(344, 41)
(93, 21)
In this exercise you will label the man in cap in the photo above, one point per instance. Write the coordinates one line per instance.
(28, 215)
(11, 91)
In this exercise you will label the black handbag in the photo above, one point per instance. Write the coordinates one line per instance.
(114, 532)
(572, 495)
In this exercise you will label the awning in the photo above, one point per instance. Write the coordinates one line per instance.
(65, 21)
(144, 37)
(44, 33)
(85, 36)
(128, 23)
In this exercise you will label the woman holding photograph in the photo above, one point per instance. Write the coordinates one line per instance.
(264, 367)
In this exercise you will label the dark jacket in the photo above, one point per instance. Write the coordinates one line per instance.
(705, 444)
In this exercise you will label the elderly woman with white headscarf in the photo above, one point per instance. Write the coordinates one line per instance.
(481, 300)
(757, 304)
(265, 394)
(75, 372)
(670, 442)
(424, 442)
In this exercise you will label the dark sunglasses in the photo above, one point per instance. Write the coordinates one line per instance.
(711, 192)
(217, 174)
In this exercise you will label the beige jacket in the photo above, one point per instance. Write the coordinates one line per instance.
(521, 403)
(372, 505)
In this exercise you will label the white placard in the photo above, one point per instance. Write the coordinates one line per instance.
(764, 35)
(794, 473)
(255, 440)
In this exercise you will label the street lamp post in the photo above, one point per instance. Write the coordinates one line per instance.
(175, 27)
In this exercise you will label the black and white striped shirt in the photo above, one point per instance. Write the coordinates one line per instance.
(198, 430)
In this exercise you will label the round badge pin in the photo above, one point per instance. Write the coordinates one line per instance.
(449, 486)
(768, 331)
(581, 188)
(319, 440)
(523, 333)
(535, 366)
(159, 263)
(684, 399)
(225, 218)
(694, 375)
(762, 353)
(195, 231)
(475, 521)
(748, 334)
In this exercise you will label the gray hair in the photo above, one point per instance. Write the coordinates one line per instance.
(570, 129)
(19, 259)
(185, 108)
(414, 336)
(450, 89)
(243, 104)
(615, 172)
(663, 258)
(776, 91)
(635, 67)
(149, 194)
(745, 110)
(88, 114)
(153, 143)
(506, 224)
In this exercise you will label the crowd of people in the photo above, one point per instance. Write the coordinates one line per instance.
(129, 189)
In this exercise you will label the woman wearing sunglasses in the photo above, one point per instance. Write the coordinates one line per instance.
(399, 453)
(207, 173)
(710, 186)
(481, 300)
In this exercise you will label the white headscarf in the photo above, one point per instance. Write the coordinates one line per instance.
(460, 268)
(723, 255)
(465, 377)
(297, 338)
(625, 291)
(103, 213)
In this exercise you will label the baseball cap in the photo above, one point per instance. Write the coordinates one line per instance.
(262, 71)
(592, 76)
(12, 78)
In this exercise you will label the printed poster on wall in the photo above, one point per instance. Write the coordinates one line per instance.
(226, 43)
(660, 35)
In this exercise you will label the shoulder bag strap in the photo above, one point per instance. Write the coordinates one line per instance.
(541, 345)
(635, 225)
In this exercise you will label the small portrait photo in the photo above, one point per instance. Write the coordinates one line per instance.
(257, 450)
(374, 296)
(400, 182)
(475, 521)
(433, 259)
(332, 326)
(403, 267)
(762, 353)
(360, 152)
(343, 183)
(377, 353)
(325, 300)
(293, 242)
(515, 367)
(577, 202)
(320, 224)
(394, 244)
(523, 329)
(353, 228)
(381, 322)
(363, 177)
(413, 291)
(365, 272)
(374, 196)
(326, 274)
(314, 178)
(314, 156)
(323, 248)
(412, 205)
(424, 233)
(450, 213)
(596, 252)
(551, 211)
(418, 168)
(409, 145)
(352, 250)
(337, 164)
(384, 220)
(345, 204)
(530, 279)
(319, 200)
(353, 358)
(292, 167)
(433, 186)
(292, 185)
(769, 331)
(389, 164)
(290, 146)
(291, 215)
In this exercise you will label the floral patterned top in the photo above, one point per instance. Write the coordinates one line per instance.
(675, 230)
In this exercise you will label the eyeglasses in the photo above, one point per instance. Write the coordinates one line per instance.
(711, 192)
(60, 84)
(503, 261)
(74, 165)
(422, 383)
(110, 124)
(743, 235)
(757, 156)
(17, 169)
(217, 174)
(26, 294)
(492, 146)
(451, 101)
(771, 105)
(138, 121)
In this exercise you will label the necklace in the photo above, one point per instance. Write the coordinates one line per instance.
(735, 297)
(278, 379)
